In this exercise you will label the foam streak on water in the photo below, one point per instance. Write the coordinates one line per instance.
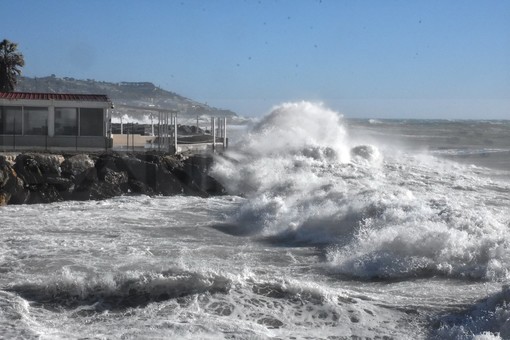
(333, 230)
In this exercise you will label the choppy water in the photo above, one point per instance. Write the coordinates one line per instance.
(335, 229)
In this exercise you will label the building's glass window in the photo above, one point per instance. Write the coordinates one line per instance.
(10, 120)
(91, 122)
(66, 121)
(36, 120)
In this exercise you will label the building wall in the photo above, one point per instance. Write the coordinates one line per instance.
(46, 143)
(51, 124)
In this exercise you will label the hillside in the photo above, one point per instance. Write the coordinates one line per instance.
(131, 100)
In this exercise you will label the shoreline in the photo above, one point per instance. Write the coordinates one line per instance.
(35, 177)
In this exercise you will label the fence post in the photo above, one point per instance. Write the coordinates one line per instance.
(224, 133)
(14, 135)
(159, 131)
(214, 133)
(46, 138)
(175, 132)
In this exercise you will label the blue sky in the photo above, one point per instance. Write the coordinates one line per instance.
(367, 59)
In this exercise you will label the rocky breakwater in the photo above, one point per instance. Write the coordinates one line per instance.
(30, 178)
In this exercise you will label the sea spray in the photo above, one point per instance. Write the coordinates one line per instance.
(294, 127)
(381, 212)
(288, 153)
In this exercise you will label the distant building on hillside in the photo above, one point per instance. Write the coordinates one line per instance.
(139, 85)
(54, 121)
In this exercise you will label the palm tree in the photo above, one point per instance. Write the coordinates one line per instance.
(10, 62)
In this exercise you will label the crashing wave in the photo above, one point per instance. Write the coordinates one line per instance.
(381, 213)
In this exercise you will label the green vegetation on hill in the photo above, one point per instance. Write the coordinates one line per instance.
(130, 98)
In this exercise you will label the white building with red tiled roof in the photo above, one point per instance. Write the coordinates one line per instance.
(54, 121)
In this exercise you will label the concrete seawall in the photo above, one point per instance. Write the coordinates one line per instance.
(28, 178)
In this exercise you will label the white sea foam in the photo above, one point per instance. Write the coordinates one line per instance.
(486, 320)
(318, 217)
(383, 213)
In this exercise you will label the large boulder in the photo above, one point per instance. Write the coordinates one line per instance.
(28, 169)
(164, 181)
(48, 164)
(105, 179)
(12, 187)
(36, 168)
(4, 198)
(86, 179)
(62, 184)
(196, 169)
(167, 183)
(140, 171)
(43, 193)
(113, 183)
(117, 178)
(107, 164)
(5, 170)
(75, 165)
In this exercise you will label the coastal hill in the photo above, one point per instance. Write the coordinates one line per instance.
(132, 100)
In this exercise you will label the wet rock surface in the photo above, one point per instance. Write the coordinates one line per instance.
(30, 178)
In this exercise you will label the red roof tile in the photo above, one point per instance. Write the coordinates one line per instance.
(54, 96)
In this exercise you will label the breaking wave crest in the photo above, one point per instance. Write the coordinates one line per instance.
(380, 212)
(115, 292)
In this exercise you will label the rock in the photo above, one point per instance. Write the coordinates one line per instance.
(11, 184)
(4, 176)
(9, 158)
(39, 178)
(28, 169)
(114, 183)
(76, 165)
(92, 192)
(107, 163)
(61, 183)
(86, 179)
(43, 193)
(138, 170)
(49, 165)
(115, 178)
(139, 187)
(197, 168)
(4, 198)
(151, 158)
(167, 183)
(188, 130)
(29, 181)
(19, 193)
(171, 162)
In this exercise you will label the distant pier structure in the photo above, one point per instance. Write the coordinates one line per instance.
(169, 132)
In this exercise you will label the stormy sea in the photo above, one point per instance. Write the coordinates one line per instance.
(333, 228)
